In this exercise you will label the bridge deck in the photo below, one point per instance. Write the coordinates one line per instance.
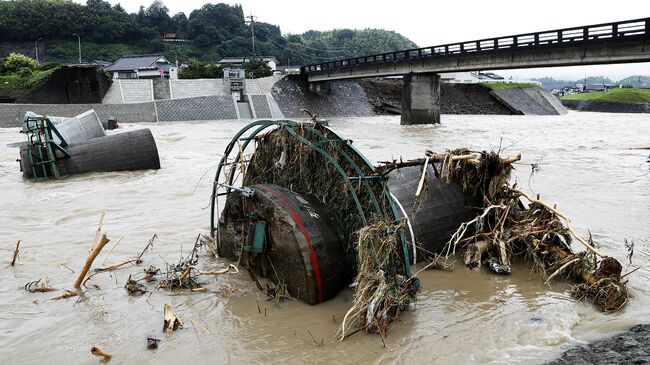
(625, 41)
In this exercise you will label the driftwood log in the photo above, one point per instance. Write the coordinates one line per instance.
(89, 261)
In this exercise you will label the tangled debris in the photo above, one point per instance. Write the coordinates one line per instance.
(38, 286)
(507, 228)
(382, 289)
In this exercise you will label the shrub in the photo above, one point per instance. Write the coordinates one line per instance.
(17, 61)
(24, 72)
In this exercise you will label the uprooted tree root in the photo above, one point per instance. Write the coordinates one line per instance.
(382, 290)
(507, 228)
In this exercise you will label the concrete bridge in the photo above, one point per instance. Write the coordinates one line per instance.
(618, 42)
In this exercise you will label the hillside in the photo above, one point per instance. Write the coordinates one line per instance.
(211, 32)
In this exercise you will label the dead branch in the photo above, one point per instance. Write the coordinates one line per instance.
(65, 295)
(111, 250)
(566, 220)
(111, 268)
(99, 228)
(230, 267)
(13, 261)
(150, 244)
(89, 261)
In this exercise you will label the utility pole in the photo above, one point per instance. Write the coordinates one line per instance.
(79, 38)
(36, 48)
(252, 22)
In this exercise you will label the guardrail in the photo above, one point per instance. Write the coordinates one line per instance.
(618, 31)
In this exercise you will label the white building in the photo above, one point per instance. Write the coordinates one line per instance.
(481, 77)
(151, 66)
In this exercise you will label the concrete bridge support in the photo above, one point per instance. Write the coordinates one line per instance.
(421, 99)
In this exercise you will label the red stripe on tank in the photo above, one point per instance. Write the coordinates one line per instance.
(301, 226)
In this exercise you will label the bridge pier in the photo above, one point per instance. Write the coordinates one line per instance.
(421, 99)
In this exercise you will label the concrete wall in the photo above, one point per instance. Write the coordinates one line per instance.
(345, 99)
(126, 91)
(200, 87)
(11, 115)
(260, 106)
(200, 108)
(530, 101)
(136, 91)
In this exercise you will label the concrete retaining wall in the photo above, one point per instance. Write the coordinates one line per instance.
(11, 115)
(529, 101)
(201, 108)
(345, 99)
(260, 104)
(605, 106)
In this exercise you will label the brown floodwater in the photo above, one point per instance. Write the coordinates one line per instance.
(461, 317)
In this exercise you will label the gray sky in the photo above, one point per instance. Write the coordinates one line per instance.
(430, 23)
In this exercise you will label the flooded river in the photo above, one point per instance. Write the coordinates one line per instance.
(460, 317)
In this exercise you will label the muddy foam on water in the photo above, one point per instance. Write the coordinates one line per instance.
(460, 317)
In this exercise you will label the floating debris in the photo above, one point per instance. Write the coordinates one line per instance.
(98, 352)
(13, 260)
(171, 321)
(507, 228)
(37, 286)
(134, 288)
(382, 290)
(152, 343)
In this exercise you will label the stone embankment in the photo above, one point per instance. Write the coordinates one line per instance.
(606, 106)
(631, 347)
(469, 99)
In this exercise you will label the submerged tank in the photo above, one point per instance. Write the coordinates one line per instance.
(303, 193)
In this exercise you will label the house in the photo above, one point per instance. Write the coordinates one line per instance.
(238, 62)
(172, 37)
(480, 77)
(150, 66)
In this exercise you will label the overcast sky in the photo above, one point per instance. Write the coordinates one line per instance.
(431, 22)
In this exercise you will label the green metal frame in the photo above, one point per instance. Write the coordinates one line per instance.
(39, 132)
(245, 136)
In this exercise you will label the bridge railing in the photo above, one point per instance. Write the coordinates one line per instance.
(618, 31)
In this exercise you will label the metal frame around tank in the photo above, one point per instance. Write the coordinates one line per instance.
(290, 126)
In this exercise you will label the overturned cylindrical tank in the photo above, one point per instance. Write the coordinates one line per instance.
(290, 238)
(309, 193)
(128, 151)
(436, 214)
(59, 146)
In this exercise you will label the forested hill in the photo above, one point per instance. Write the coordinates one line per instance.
(212, 32)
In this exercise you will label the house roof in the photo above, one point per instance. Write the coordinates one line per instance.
(147, 61)
(241, 59)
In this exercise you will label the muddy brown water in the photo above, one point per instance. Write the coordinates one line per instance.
(460, 317)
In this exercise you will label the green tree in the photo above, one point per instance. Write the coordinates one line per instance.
(257, 68)
(17, 61)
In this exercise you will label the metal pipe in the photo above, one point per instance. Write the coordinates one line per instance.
(36, 48)
(79, 40)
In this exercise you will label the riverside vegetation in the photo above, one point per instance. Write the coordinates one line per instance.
(211, 32)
